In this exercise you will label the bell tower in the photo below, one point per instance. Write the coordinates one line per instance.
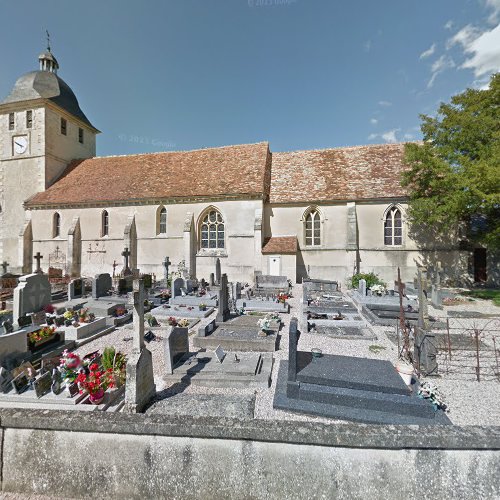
(42, 129)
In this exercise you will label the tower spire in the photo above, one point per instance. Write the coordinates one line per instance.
(47, 60)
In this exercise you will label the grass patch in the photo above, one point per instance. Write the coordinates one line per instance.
(376, 348)
(493, 295)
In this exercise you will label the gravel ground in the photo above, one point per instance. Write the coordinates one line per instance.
(469, 402)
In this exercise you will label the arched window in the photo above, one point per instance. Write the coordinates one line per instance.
(162, 221)
(104, 223)
(212, 231)
(393, 227)
(313, 229)
(56, 225)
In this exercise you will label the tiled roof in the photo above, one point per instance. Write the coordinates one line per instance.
(280, 244)
(225, 171)
(350, 173)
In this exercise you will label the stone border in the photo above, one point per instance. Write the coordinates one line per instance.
(348, 435)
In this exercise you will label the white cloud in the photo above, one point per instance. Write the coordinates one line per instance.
(409, 137)
(449, 25)
(384, 103)
(428, 52)
(485, 51)
(390, 135)
(438, 66)
(494, 5)
(367, 46)
(374, 121)
(464, 37)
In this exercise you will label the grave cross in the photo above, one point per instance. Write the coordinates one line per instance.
(126, 255)
(38, 258)
(115, 265)
(138, 314)
(5, 264)
(166, 264)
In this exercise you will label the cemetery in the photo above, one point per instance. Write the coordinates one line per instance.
(260, 354)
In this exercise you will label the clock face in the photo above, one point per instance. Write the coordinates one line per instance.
(20, 144)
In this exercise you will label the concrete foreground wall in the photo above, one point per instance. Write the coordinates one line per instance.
(76, 455)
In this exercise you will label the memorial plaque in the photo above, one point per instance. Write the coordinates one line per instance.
(48, 364)
(220, 354)
(73, 389)
(43, 385)
(22, 368)
(20, 383)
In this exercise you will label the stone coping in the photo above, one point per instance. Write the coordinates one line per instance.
(344, 435)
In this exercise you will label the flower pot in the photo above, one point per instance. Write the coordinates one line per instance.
(49, 320)
(262, 333)
(97, 397)
(405, 371)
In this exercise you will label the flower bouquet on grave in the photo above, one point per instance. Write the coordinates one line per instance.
(283, 297)
(68, 317)
(95, 382)
(69, 365)
(41, 336)
(429, 391)
(83, 315)
(183, 323)
(172, 321)
(165, 294)
(264, 325)
(202, 307)
(378, 290)
(120, 311)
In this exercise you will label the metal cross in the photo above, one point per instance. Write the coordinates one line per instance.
(166, 264)
(115, 265)
(48, 40)
(38, 258)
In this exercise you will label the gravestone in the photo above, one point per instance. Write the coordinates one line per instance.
(75, 289)
(217, 271)
(212, 279)
(148, 281)
(125, 285)
(423, 308)
(32, 294)
(237, 290)
(223, 311)
(176, 345)
(139, 387)
(177, 286)
(101, 285)
(362, 287)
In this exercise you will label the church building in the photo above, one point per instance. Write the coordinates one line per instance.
(320, 214)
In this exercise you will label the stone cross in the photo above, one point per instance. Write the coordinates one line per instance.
(5, 264)
(217, 271)
(126, 255)
(138, 314)
(115, 265)
(38, 258)
(166, 264)
(223, 312)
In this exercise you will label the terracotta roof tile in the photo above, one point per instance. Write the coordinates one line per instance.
(280, 244)
(232, 170)
(350, 173)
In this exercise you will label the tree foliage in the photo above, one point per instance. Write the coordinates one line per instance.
(454, 175)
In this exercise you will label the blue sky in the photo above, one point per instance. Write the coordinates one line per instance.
(301, 74)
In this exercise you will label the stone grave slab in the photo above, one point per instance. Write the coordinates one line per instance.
(209, 299)
(85, 329)
(262, 305)
(180, 311)
(248, 369)
(206, 405)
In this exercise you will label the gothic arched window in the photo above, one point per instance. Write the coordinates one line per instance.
(56, 225)
(212, 231)
(162, 221)
(393, 227)
(312, 228)
(104, 223)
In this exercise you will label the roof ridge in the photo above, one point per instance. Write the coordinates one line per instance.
(181, 150)
(360, 146)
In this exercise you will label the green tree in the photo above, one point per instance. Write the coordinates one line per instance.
(454, 175)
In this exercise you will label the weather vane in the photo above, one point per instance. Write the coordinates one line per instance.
(48, 40)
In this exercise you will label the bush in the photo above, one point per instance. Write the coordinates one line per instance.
(370, 278)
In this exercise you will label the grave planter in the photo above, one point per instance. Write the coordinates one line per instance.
(97, 397)
(405, 371)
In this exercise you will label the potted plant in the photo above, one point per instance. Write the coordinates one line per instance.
(68, 317)
(117, 363)
(41, 336)
(202, 307)
(83, 315)
(183, 323)
(172, 321)
(95, 382)
(378, 289)
(59, 320)
(120, 311)
(405, 370)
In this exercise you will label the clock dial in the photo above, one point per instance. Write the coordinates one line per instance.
(20, 144)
